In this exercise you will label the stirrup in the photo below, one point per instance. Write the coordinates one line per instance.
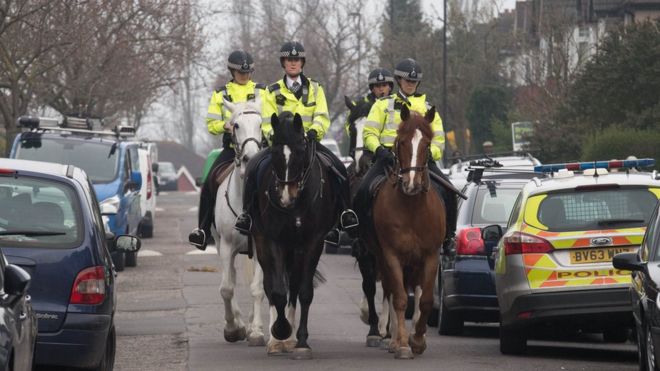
(334, 242)
(348, 213)
(199, 245)
(239, 224)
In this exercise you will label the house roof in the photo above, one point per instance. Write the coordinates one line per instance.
(181, 156)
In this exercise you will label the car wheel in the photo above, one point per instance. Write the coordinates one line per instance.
(131, 259)
(640, 336)
(512, 341)
(449, 322)
(147, 231)
(649, 350)
(108, 361)
(615, 334)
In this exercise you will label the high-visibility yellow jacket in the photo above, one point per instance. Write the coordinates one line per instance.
(217, 115)
(385, 117)
(311, 106)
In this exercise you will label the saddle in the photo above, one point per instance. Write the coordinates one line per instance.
(219, 174)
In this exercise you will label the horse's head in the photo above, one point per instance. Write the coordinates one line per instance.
(290, 158)
(412, 150)
(357, 117)
(246, 133)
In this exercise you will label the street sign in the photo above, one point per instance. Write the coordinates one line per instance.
(520, 131)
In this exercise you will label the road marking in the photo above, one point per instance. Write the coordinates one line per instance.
(160, 210)
(209, 251)
(162, 193)
(192, 209)
(143, 252)
(192, 192)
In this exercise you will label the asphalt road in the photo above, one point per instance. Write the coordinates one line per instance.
(170, 317)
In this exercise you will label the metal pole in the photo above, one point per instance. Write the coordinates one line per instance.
(444, 64)
(359, 79)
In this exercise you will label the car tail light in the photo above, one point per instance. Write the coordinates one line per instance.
(523, 243)
(7, 171)
(89, 286)
(469, 242)
(149, 184)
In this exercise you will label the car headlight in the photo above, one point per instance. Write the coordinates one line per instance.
(110, 205)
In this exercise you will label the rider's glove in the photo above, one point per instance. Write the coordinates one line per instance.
(384, 153)
(311, 135)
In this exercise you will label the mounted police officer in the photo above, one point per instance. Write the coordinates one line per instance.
(380, 133)
(299, 94)
(239, 89)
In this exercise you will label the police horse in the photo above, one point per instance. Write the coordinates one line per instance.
(409, 225)
(246, 138)
(296, 207)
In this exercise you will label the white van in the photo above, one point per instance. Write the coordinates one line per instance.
(147, 194)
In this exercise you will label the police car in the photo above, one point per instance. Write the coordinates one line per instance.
(553, 266)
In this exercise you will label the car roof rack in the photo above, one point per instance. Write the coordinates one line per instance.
(75, 125)
(466, 158)
(478, 167)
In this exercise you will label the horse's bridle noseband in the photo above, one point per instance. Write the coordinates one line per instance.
(302, 177)
(238, 147)
(400, 171)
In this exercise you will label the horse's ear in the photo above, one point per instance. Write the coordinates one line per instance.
(231, 107)
(405, 113)
(274, 120)
(430, 114)
(349, 103)
(297, 123)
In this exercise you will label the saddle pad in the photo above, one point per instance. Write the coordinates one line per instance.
(219, 174)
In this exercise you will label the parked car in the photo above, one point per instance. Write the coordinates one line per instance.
(18, 329)
(64, 247)
(147, 195)
(645, 267)
(553, 266)
(167, 179)
(110, 160)
(466, 289)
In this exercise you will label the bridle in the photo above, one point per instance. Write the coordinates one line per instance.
(301, 178)
(238, 147)
(399, 171)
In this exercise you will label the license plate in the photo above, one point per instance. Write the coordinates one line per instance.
(599, 255)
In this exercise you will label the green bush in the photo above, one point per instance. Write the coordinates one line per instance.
(619, 143)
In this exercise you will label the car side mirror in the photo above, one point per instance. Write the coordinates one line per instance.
(154, 167)
(17, 280)
(491, 233)
(136, 180)
(629, 261)
(128, 243)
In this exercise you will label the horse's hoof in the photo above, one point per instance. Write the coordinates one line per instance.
(403, 353)
(233, 336)
(275, 348)
(256, 341)
(385, 343)
(301, 353)
(418, 347)
(290, 345)
(373, 341)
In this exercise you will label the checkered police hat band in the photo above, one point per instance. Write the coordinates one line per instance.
(289, 54)
(240, 66)
(375, 80)
(406, 75)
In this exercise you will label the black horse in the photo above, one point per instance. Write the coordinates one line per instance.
(366, 260)
(296, 207)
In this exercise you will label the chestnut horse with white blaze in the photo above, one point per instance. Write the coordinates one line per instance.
(409, 224)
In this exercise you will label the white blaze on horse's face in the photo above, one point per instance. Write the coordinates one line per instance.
(410, 186)
(246, 123)
(285, 198)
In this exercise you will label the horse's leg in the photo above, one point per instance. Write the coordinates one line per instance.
(367, 266)
(256, 334)
(234, 327)
(306, 294)
(399, 301)
(418, 339)
(385, 319)
(276, 291)
(294, 283)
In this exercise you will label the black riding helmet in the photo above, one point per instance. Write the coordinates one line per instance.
(408, 69)
(380, 75)
(240, 61)
(292, 49)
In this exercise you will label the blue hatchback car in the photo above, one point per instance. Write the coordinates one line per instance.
(110, 161)
(64, 247)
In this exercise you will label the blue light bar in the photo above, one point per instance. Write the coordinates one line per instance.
(581, 166)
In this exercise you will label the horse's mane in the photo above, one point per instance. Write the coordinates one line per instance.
(361, 109)
(415, 121)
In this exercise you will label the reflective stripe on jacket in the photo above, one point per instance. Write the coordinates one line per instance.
(312, 106)
(217, 115)
(384, 119)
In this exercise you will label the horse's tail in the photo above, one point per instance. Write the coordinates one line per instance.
(319, 278)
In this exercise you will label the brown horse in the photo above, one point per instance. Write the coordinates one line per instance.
(409, 221)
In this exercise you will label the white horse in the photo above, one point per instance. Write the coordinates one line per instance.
(246, 137)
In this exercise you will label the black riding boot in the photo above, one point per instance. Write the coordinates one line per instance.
(450, 200)
(244, 221)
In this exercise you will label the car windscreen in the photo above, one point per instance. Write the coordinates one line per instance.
(596, 209)
(166, 168)
(493, 205)
(38, 212)
(98, 159)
